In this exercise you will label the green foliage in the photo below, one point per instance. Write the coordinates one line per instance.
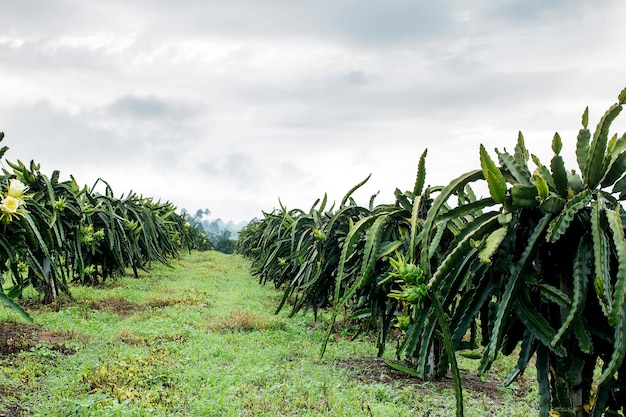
(53, 233)
(538, 288)
(540, 264)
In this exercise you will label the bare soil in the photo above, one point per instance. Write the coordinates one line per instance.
(375, 370)
(15, 337)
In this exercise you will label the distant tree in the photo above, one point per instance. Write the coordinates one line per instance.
(224, 243)
(214, 227)
(202, 213)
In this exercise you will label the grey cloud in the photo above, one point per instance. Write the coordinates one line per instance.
(37, 55)
(527, 10)
(356, 77)
(381, 74)
(392, 20)
(378, 21)
(448, 94)
(375, 21)
(370, 24)
(149, 108)
(238, 168)
(46, 133)
(39, 16)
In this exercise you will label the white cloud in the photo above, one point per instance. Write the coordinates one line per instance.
(231, 105)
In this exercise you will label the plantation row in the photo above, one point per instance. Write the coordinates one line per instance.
(54, 233)
(537, 268)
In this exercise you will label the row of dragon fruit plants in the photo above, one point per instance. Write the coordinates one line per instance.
(535, 269)
(54, 233)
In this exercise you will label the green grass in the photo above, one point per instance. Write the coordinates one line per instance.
(201, 339)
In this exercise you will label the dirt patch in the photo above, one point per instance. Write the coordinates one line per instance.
(33, 304)
(129, 338)
(375, 370)
(117, 305)
(15, 337)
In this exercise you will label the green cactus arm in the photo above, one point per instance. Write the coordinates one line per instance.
(601, 252)
(429, 224)
(415, 221)
(527, 349)
(617, 229)
(491, 244)
(324, 202)
(617, 144)
(543, 191)
(525, 196)
(541, 365)
(465, 209)
(470, 303)
(420, 179)
(552, 294)
(9, 302)
(583, 334)
(372, 242)
(439, 231)
(425, 342)
(620, 188)
(582, 143)
(557, 144)
(521, 153)
(293, 227)
(493, 175)
(388, 248)
(474, 231)
(346, 252)
(346, 197)
(619, 350)
(559, 174)
(543, 172)
(510, 292)
(518, 172)
(581, 275)
(615, 168)
(447, 341)
(536, 323)
(594, 163)
(559, 225)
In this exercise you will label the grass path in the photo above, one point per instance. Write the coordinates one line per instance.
(201, 339)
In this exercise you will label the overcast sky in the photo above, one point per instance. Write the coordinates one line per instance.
(231, 105)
